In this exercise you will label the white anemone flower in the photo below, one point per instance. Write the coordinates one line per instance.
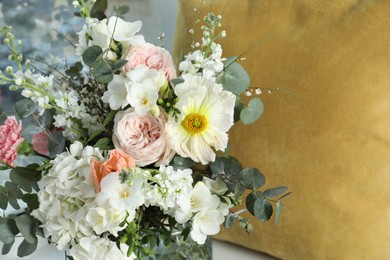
(206, 114)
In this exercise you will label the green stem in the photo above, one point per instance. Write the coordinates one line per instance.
(85, 8)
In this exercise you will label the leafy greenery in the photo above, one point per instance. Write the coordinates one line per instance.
(253, 111)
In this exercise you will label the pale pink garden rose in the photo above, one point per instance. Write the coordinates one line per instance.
(142, 137)
(10, 138)
(153, 57)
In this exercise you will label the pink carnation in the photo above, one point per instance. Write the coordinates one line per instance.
(10, 138)
(152, 57)
(142, 137)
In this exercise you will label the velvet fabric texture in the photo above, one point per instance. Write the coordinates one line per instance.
(326, 132)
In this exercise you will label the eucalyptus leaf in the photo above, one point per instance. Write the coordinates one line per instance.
(253, 111)
(27, 227)
(251, 199)
(24, 177)
(118, 64)
(3, 201)
(273, 192)
(239, 106)
(229, 221)
(262, 209)
(56, 143)
(25, 107)
(229, 60)
(98, 9)
(31, 200)
(7, 248)
(25, 248)
(6, 235)
(252, 178)
(91, 54)
(235, 79)
(183, 162)
(228, 166)
(177, 81)
(14, 194)
(278, 211)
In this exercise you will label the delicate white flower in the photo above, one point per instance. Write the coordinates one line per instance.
(206, 114)
(99, 248)
(216, 186)
(143, 96)
(120, 196)
(125, 31)
(117, 93)
(103, 220)
(206, 222)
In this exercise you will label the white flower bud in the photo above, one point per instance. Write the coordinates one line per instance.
(9, 70)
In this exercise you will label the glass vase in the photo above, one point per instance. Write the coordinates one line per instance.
(183, 249)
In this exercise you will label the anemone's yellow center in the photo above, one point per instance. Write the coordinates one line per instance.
(194, 123)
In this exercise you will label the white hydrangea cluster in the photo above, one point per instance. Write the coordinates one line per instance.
(68, 193)
(99, 248)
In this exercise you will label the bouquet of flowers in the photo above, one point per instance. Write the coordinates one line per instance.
(132, 153)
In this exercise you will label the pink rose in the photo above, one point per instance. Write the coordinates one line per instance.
(10, 138)
(142, 137)
(152, 57)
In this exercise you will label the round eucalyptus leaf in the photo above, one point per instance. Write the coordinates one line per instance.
(272, 192)
(91, 54)
(25, 107)
(251, 199)
(25, 248)
(252, 112)
(262, 209)
(252, 178)
(235, 79)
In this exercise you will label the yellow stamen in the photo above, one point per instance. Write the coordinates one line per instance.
(194, 123)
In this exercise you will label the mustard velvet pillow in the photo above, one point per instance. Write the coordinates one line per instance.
(326, 132)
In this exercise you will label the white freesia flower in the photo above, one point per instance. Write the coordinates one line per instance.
(205, 222)
(120, 196)
(143, 97)
(117, 93)
(206, 115)
(99, 248)
(124, 32)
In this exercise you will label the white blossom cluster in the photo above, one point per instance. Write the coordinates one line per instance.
(196, 63)
(75, 214)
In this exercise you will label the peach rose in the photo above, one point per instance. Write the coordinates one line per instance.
(142, 137)
(117, 161)
(153, 57)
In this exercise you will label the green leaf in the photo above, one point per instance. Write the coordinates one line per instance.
(25, 148)
(278, 211)
(182, 162)
(239, 106)
(6, 235)
(109, 117)
(95, 134)
(252, 112)
(251, 199)
(263, 209)
(228, 166)
(31, 201)
(37, 123)
(25, 248)
(118, 64)
(6, 248)
(14, 194)
(24, 177)
(273, 192)
(121, 10)
(252, 178)
(235, 79)
(98, 9)
(229, 60)
(56, 143)
(102, 71)
(229, 221)
(284, 196)
(25, 107)
(91, 54)
(27, 227)
(104, 144)
(3, 201)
